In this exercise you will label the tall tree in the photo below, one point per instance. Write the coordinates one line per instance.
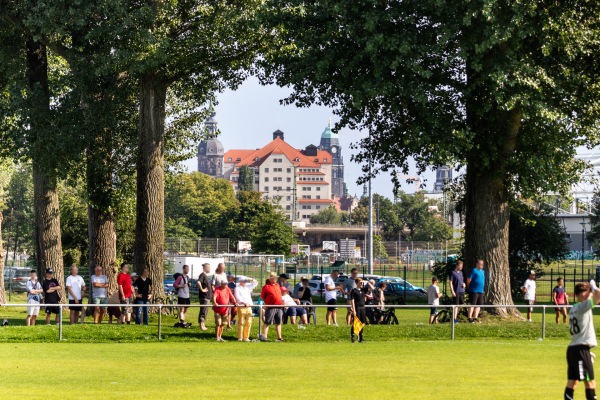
(497, 86)
(2, 291)
(245, 179)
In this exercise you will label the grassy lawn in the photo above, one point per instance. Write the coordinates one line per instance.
(491, 369)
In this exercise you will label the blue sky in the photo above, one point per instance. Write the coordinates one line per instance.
(248, 116)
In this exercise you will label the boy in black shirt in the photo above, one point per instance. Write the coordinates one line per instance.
(357, 298)
(51, 288)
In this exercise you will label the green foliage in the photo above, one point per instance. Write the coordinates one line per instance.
(245, 179)
(379, 251)
(536, 238)
(273, 235)
(594, 234)
(74, 223)
(329, 215)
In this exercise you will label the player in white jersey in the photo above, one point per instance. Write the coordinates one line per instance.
(583, 338)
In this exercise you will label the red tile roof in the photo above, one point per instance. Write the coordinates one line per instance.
(235, 154)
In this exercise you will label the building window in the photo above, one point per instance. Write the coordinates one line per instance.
(288, 207)
(267, 170)
(288, 198)
(288, 179)
(266, 188)
(230, 159)
(288, 188)
(324, 160)
(318, 197)
(318, 188)
(235, 188)
(289, 170)
(306, 196)
(318, 207)
(266, 179)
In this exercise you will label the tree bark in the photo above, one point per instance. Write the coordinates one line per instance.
(103, 244)
(2, 291)
(46, 207)
(149, 229)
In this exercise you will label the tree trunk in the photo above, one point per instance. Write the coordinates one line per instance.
(103, 244)
(2, 291)
(149, 227)
(486, 234)
(46, 208)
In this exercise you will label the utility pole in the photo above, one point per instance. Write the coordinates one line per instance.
(370, 258)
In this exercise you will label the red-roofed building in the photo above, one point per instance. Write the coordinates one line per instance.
(298, 180)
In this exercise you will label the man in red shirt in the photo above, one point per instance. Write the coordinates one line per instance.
(271, 295)
(222, 296)
(125, 293)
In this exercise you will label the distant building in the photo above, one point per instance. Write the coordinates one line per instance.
(331, 143)
(443, 176)
(211, 151)
(298, 180)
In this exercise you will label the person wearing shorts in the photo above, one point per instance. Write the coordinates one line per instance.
(457, 286)
(529, 289)
(182, 284)
(271, 295)
(476, 283)
(34, 298)
(293, 309)
(560, 298)
(99, 283)
(125, 293)
(350, 284)
(331, 297)
(76, 289)
(580, 367)
(222, 298)
(51, 288)
(433, 299)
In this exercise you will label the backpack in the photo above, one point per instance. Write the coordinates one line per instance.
(175, 277)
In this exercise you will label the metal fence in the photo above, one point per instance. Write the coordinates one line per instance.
(176, 246)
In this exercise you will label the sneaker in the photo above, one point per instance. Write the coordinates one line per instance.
(178, 325)
(218, 339)
(361, 340)
(221, 340)
(247, 340)
(469, 320)
(203, 328)
(529, 320)
(456, 321)
(240, 340)
(280, 340)
(336, 325)
(352, 339)
(301, 327)
(477, 320)
(262, 338)
(473, 321)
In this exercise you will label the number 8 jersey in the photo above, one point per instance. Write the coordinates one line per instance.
(581, 324)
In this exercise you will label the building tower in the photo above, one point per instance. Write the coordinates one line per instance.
(443, 175)
(331, 143)
(211, 151)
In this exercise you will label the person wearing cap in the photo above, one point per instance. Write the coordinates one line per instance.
(222, 298)
(292, 310)
(271, 295)
(283, 282)
(476, 283)
(34, 298)
(76, 289)
(99, 283)
(349, 284)
(529, 289)
(205, 292)
(331, 297)
(243, 297)
(51, 288)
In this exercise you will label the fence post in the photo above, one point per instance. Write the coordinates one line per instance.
(574, 279)
(60, 324)
(452, 318)
(404, 285)
(543, 322)
(159, 321)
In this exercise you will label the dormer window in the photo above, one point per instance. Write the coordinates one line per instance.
(297, 159)
(324, 160)
(230, 159)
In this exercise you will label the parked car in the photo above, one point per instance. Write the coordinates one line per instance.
(168, 283)
(15, 279)
(394, 293)
(395, 279)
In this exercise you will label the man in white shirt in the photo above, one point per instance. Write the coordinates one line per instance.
(530, 296)
(433, 299)
(76, 289)
(182, 284)
(34, 298)
(243, 296)
(99, 283)
(331, 296)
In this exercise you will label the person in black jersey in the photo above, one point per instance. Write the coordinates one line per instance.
(357, 298)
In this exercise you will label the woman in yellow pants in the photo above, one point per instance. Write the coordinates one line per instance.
(243, 296)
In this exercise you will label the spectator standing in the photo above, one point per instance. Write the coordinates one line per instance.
(232, 311)
(243, 297)
(457, 286)
(349, 284)
(357, 303)
(283, 282)
(379, 301)
(219, 276)
(331, 297)
(560, 298)
(34, 298)
(433, 299)
(271, 295)
(529, 289)
(125, 294)
(51, 288)
(99, 284)
(292, 310)
(76, 289)
(370, 300)
(205, 292)
(222, 298)
(583, 338)
(476, 283)
(143, 295)
(182, 284)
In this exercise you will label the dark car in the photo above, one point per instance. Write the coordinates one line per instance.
(394, 293)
